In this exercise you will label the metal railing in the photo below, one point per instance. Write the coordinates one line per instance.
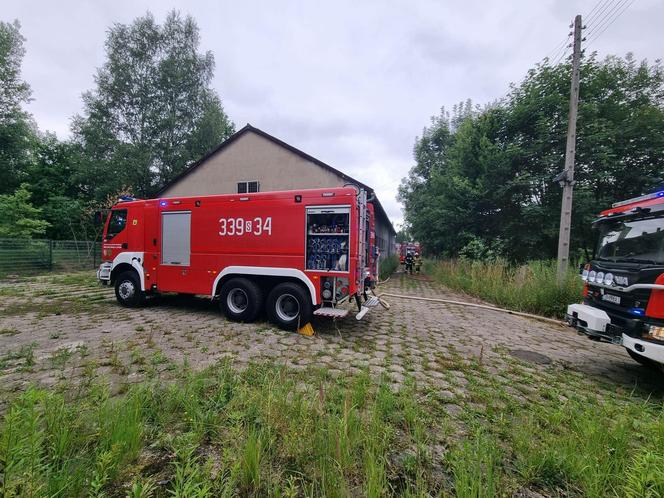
(32, 256)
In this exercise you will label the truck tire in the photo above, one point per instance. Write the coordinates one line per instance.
(128, 290)
(289, 306)
(241, 300)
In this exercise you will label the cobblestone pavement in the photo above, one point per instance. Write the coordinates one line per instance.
(66, 328)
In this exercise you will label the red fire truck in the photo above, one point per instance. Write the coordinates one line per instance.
(624, 283)
(407, 247)
(291, 254)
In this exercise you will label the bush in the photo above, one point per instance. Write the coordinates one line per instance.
(388, 265)
(531, 288)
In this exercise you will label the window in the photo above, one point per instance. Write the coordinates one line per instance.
(248, 187)
(117, 223)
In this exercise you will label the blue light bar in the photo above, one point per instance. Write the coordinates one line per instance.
(637, 311)
(163, 203)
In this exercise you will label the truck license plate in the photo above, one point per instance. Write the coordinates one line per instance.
(611, 298)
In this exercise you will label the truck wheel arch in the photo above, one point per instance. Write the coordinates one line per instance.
(126, 261)
(262, 271)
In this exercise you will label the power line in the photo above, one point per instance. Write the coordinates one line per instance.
(557, 50)
(602, 4)
(596, 36)
(561, 54)
(607, 16)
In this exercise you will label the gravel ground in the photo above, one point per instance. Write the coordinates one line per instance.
(63, 330)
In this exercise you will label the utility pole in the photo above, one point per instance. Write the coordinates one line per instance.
(566, 178)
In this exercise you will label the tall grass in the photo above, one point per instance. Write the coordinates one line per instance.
(388, 265)
(268, 431)
(531, 288)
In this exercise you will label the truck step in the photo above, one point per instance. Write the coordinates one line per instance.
(331, 312)
(362, 312)
(371, 302)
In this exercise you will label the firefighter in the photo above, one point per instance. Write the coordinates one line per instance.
(417, 262)
(409, 262)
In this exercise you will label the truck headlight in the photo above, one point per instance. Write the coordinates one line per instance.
(591, 276)
(656, 332)
(584, 275)
(599, 278)
(608, 279)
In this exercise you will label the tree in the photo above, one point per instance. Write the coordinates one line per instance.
(152, 111)
(20, 218)
(16, 127)
(484, 178)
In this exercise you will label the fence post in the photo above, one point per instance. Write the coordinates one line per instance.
(94, 254)
(50, 254)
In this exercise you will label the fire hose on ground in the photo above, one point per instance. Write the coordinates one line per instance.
(386, 305)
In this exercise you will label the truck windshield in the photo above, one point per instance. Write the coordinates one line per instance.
(637, 241)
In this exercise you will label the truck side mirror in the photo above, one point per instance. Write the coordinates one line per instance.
(97, 218)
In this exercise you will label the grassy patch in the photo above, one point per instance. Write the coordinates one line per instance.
(270, 431)
(84, 278)
(23, 358)
(530, 288)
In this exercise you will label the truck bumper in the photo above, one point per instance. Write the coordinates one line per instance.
(648, 349)
(593, 322)
(104, 273)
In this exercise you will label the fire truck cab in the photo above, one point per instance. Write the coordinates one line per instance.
(292, 254)
(624, 283)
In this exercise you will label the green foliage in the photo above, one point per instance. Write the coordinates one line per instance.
(474, 465)
(153, 110)
(388, 265)
(487, 174)
(403, 235)
(557, 447)
(16, 128)
(20, 219)
(530, 288)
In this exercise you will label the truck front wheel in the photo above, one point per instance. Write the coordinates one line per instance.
(289, 306)
(241, 300)
(128, 289)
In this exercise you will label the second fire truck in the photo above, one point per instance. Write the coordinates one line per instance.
(624, 283)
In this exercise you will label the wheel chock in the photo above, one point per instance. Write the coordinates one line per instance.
(307, 330)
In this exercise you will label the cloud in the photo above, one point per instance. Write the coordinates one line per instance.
(352, 83)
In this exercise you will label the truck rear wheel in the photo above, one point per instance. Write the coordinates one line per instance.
(128, 290)
(241, 300)
(289, 306)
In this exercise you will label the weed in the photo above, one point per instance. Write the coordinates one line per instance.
(60, 358)
(137, 358)
(158, 358)
(83, 350)
(24, 358)
(9, 331)
(530, 288)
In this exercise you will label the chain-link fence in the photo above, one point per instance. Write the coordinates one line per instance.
(32, 256)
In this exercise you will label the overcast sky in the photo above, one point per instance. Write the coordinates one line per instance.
(349, 82)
